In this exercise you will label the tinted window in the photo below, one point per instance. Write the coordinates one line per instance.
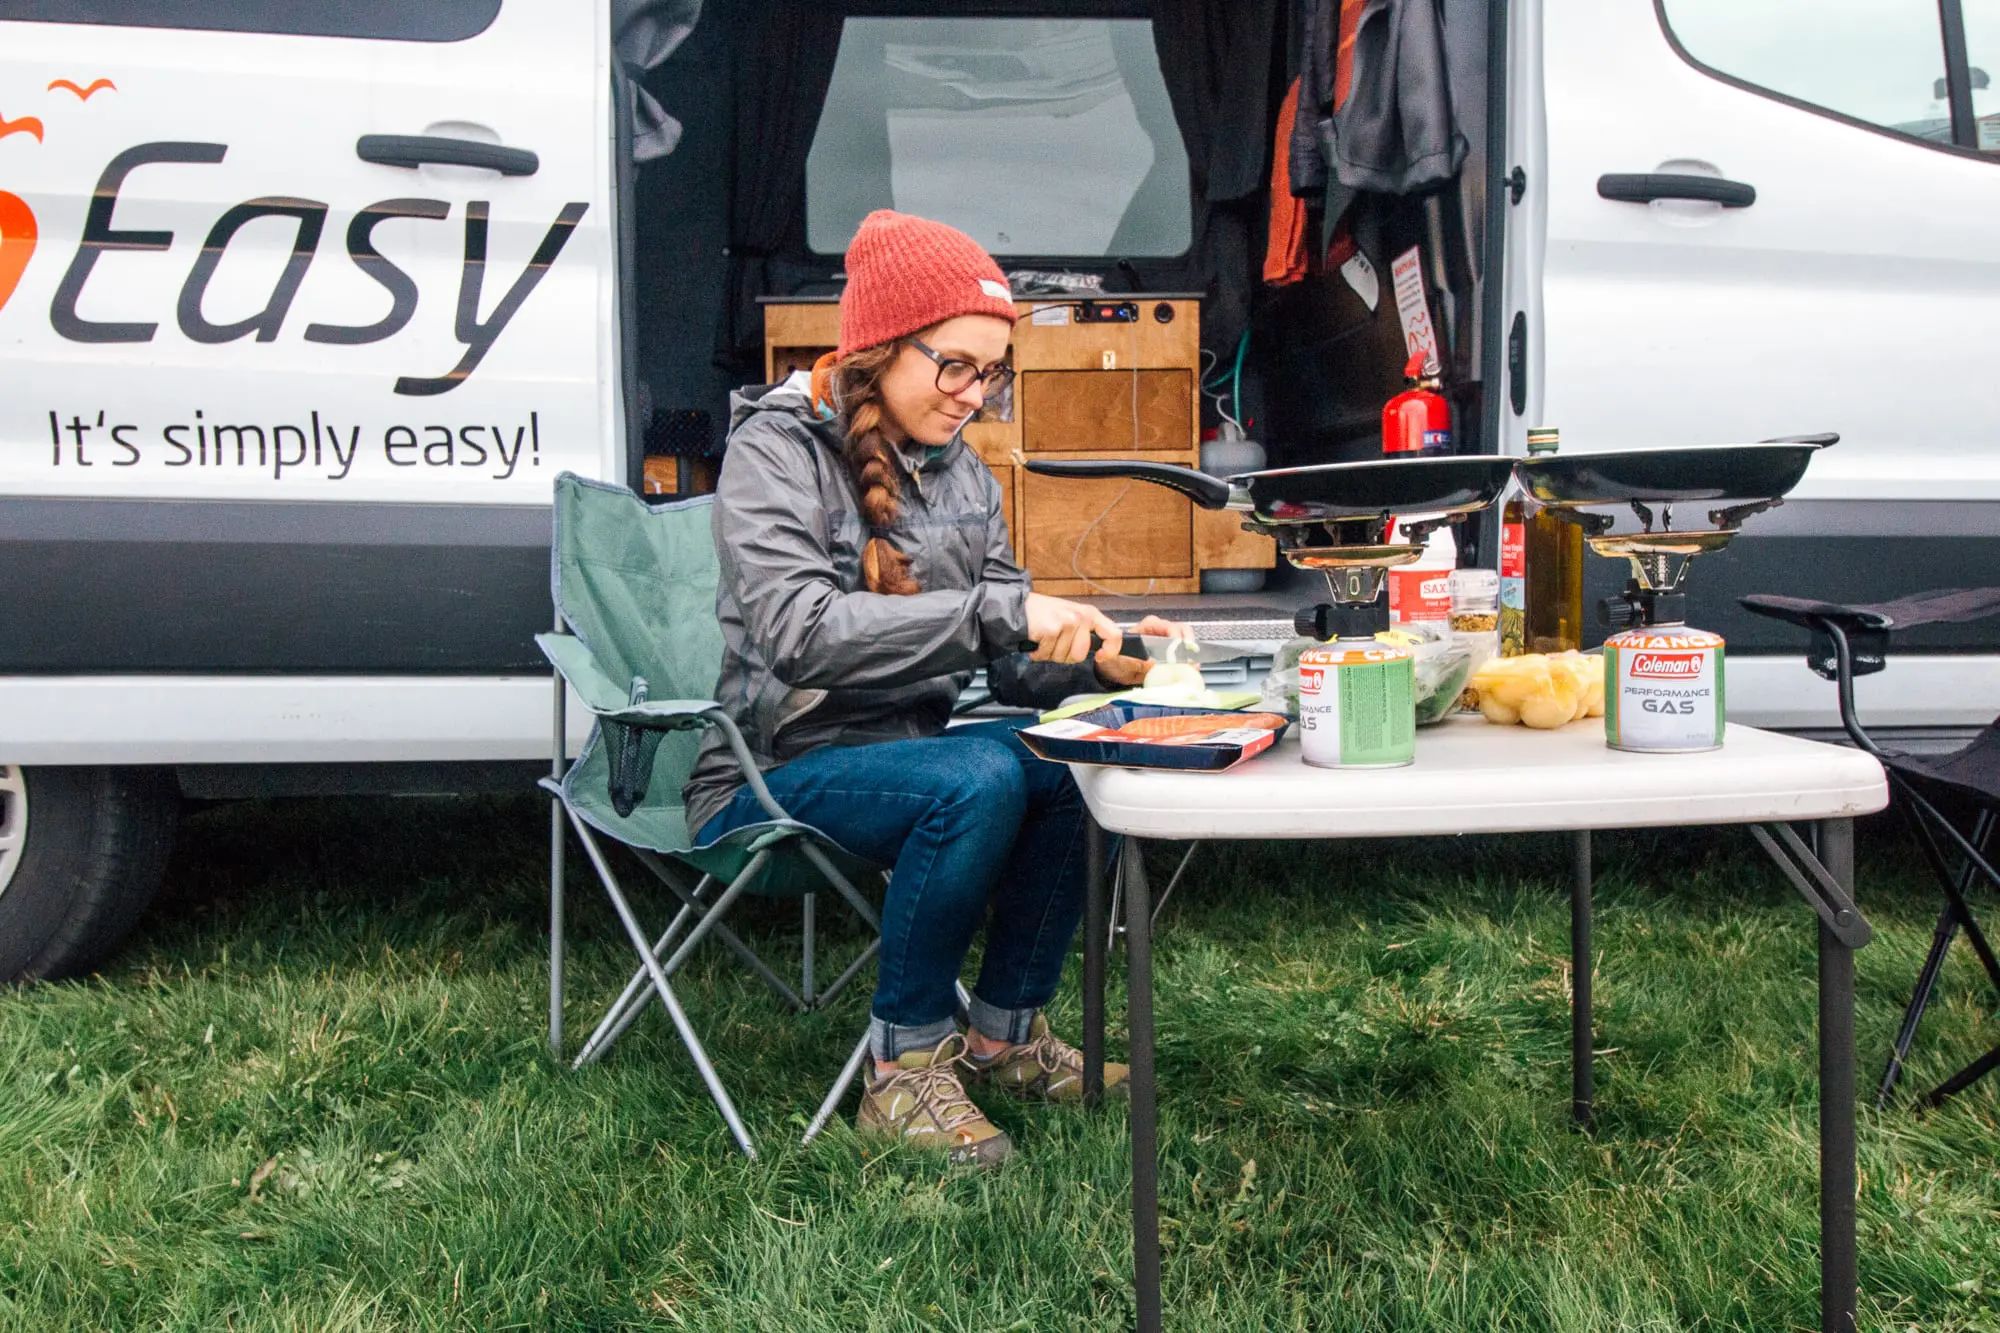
(1982, 47)
(403, 20)
(1037, 136)
(1879, 61)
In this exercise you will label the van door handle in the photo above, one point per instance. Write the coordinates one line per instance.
(1644, 187)
(419, 150)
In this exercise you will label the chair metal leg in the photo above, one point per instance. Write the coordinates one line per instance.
(735, 943)
(862, 907)
(1920, 998)
(852, 970)
(1922, 814)
(848, 1072)
(556, 850)
(558, 763)
(1960, 1081)
(806, 923)
(658, 974)
(631, 1002)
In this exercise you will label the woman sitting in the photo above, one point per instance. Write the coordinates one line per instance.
(866, 571)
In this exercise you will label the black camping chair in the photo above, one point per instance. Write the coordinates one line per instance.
(1850, 641)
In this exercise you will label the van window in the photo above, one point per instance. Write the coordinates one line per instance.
(401, 20)
(1878, 61)
(1038, 137)
(1982, 46)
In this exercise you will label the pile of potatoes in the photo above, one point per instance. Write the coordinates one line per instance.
(1541, 690)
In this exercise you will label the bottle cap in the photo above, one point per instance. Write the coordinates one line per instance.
(1543, 439)
(1471, 586)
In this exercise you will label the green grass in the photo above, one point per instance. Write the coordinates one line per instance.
(313, 1095)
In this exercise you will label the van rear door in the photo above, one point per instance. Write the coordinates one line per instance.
(1744, 221)
(309, 305)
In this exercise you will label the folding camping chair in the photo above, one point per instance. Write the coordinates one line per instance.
(634, 588)
(1850, 641)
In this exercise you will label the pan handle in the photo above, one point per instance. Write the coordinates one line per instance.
(1821, 440)
(1206, 491)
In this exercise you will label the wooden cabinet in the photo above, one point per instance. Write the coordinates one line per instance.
(1109, 389)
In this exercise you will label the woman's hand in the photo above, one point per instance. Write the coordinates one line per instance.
(1122, 672)
(1061, 629)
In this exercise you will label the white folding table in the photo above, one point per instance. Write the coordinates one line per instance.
(1471, 777)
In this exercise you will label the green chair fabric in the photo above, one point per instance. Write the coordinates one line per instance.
(636, 585)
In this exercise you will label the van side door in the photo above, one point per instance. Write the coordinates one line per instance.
(1750, 220)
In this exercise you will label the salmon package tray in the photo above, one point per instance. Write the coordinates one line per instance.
(1131, 735)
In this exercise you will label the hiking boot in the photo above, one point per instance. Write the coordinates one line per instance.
(1042, 1068)
(923, 1104)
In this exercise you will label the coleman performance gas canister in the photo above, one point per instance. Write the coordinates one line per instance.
(1662, 689)
(1357, 705)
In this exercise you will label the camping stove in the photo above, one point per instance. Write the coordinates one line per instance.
(1663, 680)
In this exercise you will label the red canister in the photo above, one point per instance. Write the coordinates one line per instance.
(1417, 421)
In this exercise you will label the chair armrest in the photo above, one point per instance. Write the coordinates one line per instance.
(604, 697)
(1809, 614)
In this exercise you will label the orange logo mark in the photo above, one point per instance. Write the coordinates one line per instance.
(17, 241)
(82, 94)
(25, 125)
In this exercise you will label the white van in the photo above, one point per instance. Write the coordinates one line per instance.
(302, 308)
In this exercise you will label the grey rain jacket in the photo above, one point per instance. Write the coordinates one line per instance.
(809, 658)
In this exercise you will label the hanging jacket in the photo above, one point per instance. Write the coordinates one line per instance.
(1393, 131)
(810, 658)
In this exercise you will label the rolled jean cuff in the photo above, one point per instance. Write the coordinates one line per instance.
(893, 1041)
(997, 1024)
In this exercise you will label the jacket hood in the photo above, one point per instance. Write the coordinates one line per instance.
(792, 396)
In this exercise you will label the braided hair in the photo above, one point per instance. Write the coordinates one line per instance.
(854, 389)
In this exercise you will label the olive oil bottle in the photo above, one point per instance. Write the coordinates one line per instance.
(1552, 550)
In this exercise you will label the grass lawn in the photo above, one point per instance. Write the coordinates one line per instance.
(313, 1095)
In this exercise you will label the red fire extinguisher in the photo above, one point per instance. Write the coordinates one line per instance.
(1417, 420)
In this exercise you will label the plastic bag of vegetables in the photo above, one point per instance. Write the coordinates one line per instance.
(1443, 665)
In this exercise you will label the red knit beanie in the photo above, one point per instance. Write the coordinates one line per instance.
(907, 273)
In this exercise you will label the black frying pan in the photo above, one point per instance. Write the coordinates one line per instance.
(1700, 473)
(1322, 493)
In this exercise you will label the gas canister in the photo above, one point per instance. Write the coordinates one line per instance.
(1663, 689)
(1357, 705)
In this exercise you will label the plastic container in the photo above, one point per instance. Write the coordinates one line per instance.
(1475, 621)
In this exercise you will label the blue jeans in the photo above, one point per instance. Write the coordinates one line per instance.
(971, 825)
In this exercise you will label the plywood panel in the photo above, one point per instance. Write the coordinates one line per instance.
(1103, 529)
(1094, 410)
(1221, 543)
(1075, 346)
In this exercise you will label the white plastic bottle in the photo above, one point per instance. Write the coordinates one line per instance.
(1422, 591)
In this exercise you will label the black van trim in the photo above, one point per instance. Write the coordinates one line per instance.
(101, 586)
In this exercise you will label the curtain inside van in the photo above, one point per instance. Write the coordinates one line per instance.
(783, 62)
(1218, 58)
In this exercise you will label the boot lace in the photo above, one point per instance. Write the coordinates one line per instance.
(935, 1089)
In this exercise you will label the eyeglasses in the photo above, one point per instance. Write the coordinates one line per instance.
(955, 376)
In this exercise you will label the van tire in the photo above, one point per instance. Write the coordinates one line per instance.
(94, 854)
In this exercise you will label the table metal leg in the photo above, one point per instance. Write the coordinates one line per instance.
(1582, 1077)
(1094, 948)
(1838, 1278)
(1144, 1108)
